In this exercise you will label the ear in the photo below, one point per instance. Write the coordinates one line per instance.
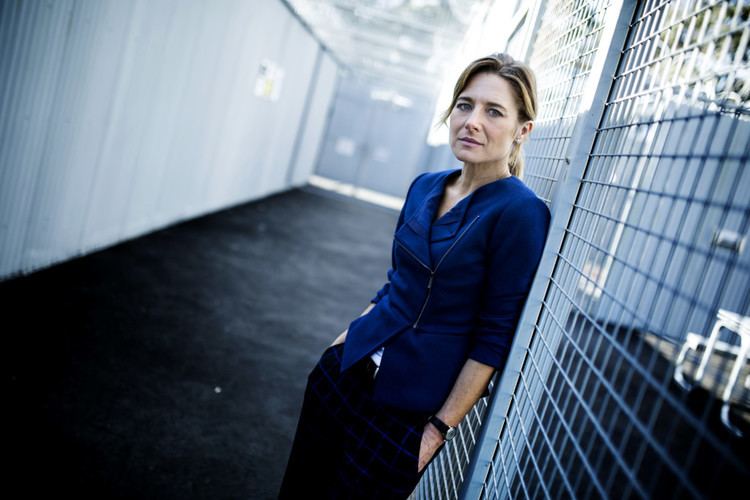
(524, 131)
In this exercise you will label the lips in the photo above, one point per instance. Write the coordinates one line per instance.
(469, 140)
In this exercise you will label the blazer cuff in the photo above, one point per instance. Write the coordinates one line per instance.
(382, 292)
(495, 360)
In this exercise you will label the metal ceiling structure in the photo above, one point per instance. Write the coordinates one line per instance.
(407, 43)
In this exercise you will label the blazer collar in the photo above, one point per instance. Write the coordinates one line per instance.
(419, 230)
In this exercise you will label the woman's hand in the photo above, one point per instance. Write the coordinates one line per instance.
(340, 339)
(431, 441)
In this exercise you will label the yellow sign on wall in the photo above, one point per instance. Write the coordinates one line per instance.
(269, 81)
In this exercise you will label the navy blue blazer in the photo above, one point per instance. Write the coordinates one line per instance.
(455, 289)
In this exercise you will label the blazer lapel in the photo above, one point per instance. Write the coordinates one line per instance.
(414, 234)
(448, 225)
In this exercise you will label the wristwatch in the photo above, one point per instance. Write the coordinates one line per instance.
(446, 430)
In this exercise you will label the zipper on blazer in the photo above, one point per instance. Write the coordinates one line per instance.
(426, 299)
(456, 241)
(414, 256)
(432, 272)
(429, 282)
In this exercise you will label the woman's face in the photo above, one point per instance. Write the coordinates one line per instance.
(484, 121)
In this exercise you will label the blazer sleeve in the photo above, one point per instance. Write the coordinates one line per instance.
(516, 246)
(384, 289)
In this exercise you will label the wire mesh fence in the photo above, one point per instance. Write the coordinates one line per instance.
(629, 373)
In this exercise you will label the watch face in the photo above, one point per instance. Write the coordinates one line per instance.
(450, 433)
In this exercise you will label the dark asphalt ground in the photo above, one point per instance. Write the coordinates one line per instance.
(173, 365)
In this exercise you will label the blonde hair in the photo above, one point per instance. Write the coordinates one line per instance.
(522, 81)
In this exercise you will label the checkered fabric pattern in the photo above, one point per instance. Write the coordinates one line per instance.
(347, 446)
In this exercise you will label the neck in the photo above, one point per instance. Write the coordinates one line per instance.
(474, 175)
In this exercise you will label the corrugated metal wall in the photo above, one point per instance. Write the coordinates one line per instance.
(372, 143)
(121, 117)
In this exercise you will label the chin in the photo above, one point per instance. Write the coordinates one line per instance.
(463, 156)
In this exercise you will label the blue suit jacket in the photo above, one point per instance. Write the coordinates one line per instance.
(455, 289)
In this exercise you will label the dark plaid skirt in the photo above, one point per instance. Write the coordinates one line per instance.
(348, 447)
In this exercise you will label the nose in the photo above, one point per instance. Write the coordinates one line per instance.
(473, 120)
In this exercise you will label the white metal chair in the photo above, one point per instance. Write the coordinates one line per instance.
(735, 323)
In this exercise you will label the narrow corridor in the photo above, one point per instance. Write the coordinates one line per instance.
(173, 365)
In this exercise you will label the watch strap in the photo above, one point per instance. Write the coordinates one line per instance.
(440, 425)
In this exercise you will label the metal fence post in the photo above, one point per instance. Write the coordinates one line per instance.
(620, 15)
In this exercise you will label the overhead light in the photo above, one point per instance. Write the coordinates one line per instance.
(387, 95)
(401, 101)
(405, 42)
(381, 95)
(424, 3)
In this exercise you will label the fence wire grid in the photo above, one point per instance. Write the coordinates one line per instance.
(628, 376)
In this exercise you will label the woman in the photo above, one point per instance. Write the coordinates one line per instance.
(391, 389)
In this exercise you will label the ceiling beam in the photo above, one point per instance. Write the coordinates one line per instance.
(355, 58)
(390, 18)
(417, 50)
(412, 88)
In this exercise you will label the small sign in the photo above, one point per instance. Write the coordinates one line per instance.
(270, 78)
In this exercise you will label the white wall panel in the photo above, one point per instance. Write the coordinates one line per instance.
(316, 121)
(121, 117)
(299, 59)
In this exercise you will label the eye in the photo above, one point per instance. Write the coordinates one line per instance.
(494, 113)
(463, 106)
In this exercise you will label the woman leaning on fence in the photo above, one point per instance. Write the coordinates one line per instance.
(387, 395)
